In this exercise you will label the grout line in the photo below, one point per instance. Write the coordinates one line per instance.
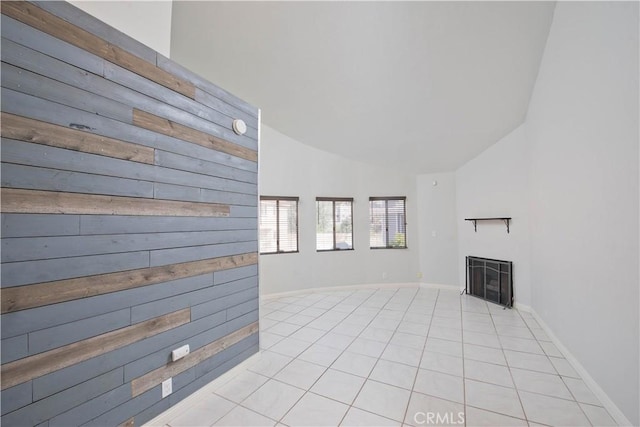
(501, 414)
(272, 377)
(426, 339)
(375, 294)
(343, 351)
(225, 413)
(376, 363)
(509, 367)
(555, 369)
(464, 382)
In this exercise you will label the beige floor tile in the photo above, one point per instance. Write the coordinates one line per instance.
(427, 410)
(487, 372)
(440, 385)
(242, 417)
(552, 411)
(383, 399)
(393, 373)
(367, 349)
(300, 373)
(357, 417)
(354, 363)
(205, 412)
(503, 400)
(273, 399)
(241, 386)
(479, 417)
(598, 415)
(338, 385)
(538, 382)
(442, 363)
(314, 410)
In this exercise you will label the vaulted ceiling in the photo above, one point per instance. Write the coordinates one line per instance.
(422, 86)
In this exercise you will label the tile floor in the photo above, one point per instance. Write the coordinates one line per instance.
(391, 357)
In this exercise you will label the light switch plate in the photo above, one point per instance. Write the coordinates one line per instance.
(167, 387)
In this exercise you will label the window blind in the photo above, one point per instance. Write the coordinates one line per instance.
(387, 226)
(278, 224)
(334, 227)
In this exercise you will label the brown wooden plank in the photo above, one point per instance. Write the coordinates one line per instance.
(131, 422)
(29, 296)
(148, 381)
(54, 202)
(176, 130)
(132, 63)
(44, 21)
(35, 366)
(38, 132)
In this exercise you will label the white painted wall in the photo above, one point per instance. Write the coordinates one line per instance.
(496, 184)
(437, 231)
(583, 131)
(290, 168)
(149, 21)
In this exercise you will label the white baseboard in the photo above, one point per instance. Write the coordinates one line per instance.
(611, 407)
(441, 286)
(184, 405)
(267, 297)
(522, 307)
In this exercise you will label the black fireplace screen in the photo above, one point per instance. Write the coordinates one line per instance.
(490, 279)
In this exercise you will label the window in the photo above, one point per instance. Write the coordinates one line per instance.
(334, 229)
(278, 224)
(388, 228)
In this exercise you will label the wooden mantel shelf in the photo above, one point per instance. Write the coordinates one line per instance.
(475, 221)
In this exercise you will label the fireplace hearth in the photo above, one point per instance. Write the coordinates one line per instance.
(490, 279)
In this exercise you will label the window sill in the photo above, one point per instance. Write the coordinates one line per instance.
(389, 247)
(279, 253)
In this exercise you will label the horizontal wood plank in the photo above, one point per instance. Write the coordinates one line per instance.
(204, 167)
(175, 255)
(26, 225)
(34, 248)
(127, 79)
(40, 109)
(53, 202)
(32, 38)
(150, 71)
(38, 132)
(51, 270)
(44, 21)
(155, 377)
(43, 156)
(108, 224)
(167, 127)
(41, 294)
(25, 81)
(38, 178)
(97, 27)
(35, 366)
(227, 97)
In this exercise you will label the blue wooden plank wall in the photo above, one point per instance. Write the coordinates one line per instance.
(129, 223)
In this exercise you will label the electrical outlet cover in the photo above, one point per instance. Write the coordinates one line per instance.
(167, 388)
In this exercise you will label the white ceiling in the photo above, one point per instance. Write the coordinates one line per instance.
(422, 86)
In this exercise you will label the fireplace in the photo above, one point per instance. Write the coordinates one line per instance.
(490, 279)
